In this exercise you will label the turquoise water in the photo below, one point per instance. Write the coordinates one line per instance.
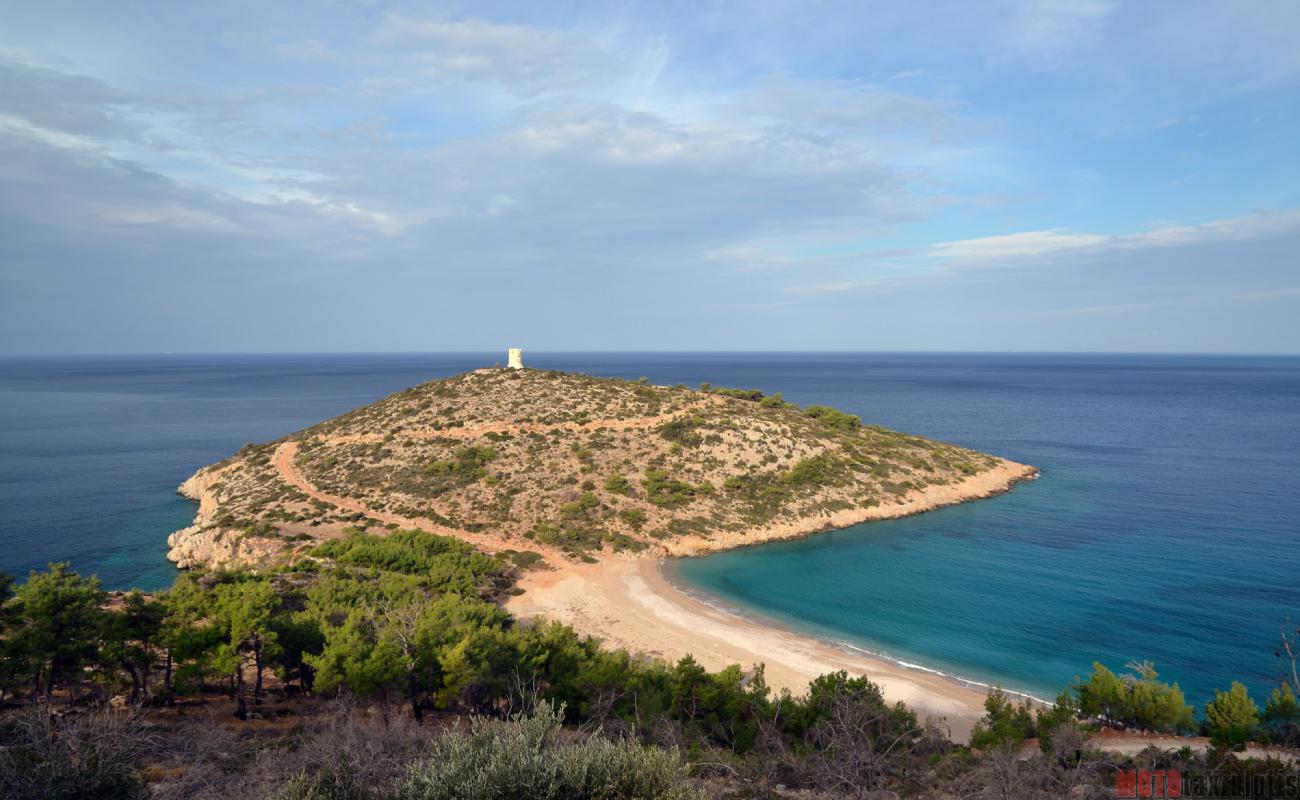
(1166, 524)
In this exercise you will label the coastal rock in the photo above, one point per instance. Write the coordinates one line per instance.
(197, 547)
(204, 544)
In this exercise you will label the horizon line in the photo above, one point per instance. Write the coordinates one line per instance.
(229, 353)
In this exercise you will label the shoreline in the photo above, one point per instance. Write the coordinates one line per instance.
(631, 604)
(997, 480)
(722, 606)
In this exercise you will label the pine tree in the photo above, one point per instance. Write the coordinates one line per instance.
(1232, 717)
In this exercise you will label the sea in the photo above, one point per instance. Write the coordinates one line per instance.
(1165, 526)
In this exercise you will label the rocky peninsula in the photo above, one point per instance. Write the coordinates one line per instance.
(575, 469)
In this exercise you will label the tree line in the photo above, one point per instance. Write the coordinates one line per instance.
(412, 623)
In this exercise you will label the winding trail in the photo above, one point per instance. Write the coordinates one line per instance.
(284, 464)
(289, 471)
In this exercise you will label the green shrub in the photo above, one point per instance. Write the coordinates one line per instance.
(634, 517)
(1135, 700)
(776, 401)
(752, 395)
(818, 470)
(1005, 724)
(682, 432)
(448, 563)
(327, 786)
(528, 757)
(1232, 717)
(1063, 715)
(662, 490)
(523, 559)
(578, 509)
(466, 464)
(618, 484)
(834, 418)
(1282, 717)
(575, 538)
(621, 542)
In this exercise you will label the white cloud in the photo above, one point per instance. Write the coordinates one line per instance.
(1017, 248)
(1027, 244)
(835, 287)
(524, 58)
(1026, 249)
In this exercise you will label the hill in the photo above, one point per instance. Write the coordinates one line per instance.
(573, 467)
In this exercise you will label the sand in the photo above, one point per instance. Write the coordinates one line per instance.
(630, 604)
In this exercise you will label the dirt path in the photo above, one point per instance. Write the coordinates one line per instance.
(476, 431)
(284, 455)
(1131, 743)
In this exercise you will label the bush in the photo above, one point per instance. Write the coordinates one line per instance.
(466, 465)
(69, 758)
(618, 484)
(528, 757)
(752, 395)
(834, 418)
(634, 517)
(328, 786)
(665, 491)
(850, 741)
(1135, 700)
(1282, 717)
(819, 470)
(1004, 725)
(1061, 718)
(1232, 717)
(682, 432)
(445, 562)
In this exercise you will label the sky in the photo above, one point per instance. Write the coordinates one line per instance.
(1078, 175)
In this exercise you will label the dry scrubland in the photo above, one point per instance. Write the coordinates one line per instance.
(573, 467)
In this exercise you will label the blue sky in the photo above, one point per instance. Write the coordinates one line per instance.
(357, 176)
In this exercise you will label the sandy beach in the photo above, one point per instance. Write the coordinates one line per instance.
(630, 604)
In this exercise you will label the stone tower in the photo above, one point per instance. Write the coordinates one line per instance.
(516, 358)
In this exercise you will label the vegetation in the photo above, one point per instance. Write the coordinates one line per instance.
(819, 470)
(663, 490)
(834, 418)
(618, 484)
(1005, 724)
(506, 453)
(527, 756)
(1135, 700)
(408, 626)
(1232, 717)
(1282, 718)
(341, 668)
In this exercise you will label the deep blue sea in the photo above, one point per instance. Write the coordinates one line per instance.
(1165, 526)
